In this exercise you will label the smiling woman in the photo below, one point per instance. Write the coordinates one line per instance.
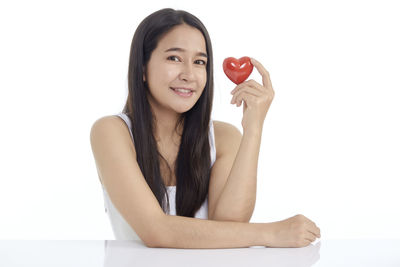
(168, 178)
(179, 63)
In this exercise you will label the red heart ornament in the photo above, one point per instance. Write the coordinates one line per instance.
(237, 70)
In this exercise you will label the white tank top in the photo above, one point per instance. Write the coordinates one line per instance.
(122, 230)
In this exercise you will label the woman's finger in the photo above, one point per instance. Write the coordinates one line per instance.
(246, 97)
(313, 228)
(247, 90)
(256, 85)
(250, 83)
(251, 86)
(310, 237)
(314, 234)
(264, 73)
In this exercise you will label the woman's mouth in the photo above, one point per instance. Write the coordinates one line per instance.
(184, 92)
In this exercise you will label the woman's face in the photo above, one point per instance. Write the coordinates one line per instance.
(179, 61)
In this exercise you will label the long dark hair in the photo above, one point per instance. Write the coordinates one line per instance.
(193, 164)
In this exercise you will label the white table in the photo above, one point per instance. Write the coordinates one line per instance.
(112, 253)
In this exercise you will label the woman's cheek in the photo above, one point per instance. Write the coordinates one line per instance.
(202, 78)
(171, 72)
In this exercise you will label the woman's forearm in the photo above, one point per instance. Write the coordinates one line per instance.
(185, 232)
(238, 197)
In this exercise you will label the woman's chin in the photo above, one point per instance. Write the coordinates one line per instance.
(183, 108)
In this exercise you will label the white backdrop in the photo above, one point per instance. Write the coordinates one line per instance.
(330, 147)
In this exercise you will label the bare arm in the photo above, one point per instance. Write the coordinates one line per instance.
(237, 199)
(185, 232)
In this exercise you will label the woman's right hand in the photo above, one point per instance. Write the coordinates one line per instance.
(296, 231)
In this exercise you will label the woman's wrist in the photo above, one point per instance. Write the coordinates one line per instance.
(254, 131)
(268, 234)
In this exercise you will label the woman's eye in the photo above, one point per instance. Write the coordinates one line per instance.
(172, 57)
(202, 62)
(175, 58)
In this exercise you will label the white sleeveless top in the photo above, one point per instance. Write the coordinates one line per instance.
(122, 230)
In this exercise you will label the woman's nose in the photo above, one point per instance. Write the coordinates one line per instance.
(187, 72)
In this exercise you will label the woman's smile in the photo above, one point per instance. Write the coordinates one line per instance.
(183, 92)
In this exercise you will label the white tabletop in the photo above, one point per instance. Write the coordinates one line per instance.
(331, 252)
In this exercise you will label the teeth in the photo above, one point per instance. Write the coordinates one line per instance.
(182, 90)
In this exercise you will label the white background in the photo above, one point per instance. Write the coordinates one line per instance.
(330, 147)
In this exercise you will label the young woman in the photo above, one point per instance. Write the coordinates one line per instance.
(171, 176)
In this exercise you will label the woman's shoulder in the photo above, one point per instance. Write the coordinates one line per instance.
(109, 121)
(225, 134)
(109, 128)
(225, 128)
(223, 124)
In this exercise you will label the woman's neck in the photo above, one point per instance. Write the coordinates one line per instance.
(165, 130)
(165, 121)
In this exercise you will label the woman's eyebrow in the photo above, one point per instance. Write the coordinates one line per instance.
(201, 54)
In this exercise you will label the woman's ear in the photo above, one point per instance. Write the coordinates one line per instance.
(144, 74)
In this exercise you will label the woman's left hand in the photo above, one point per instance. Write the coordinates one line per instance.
(257, 99)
